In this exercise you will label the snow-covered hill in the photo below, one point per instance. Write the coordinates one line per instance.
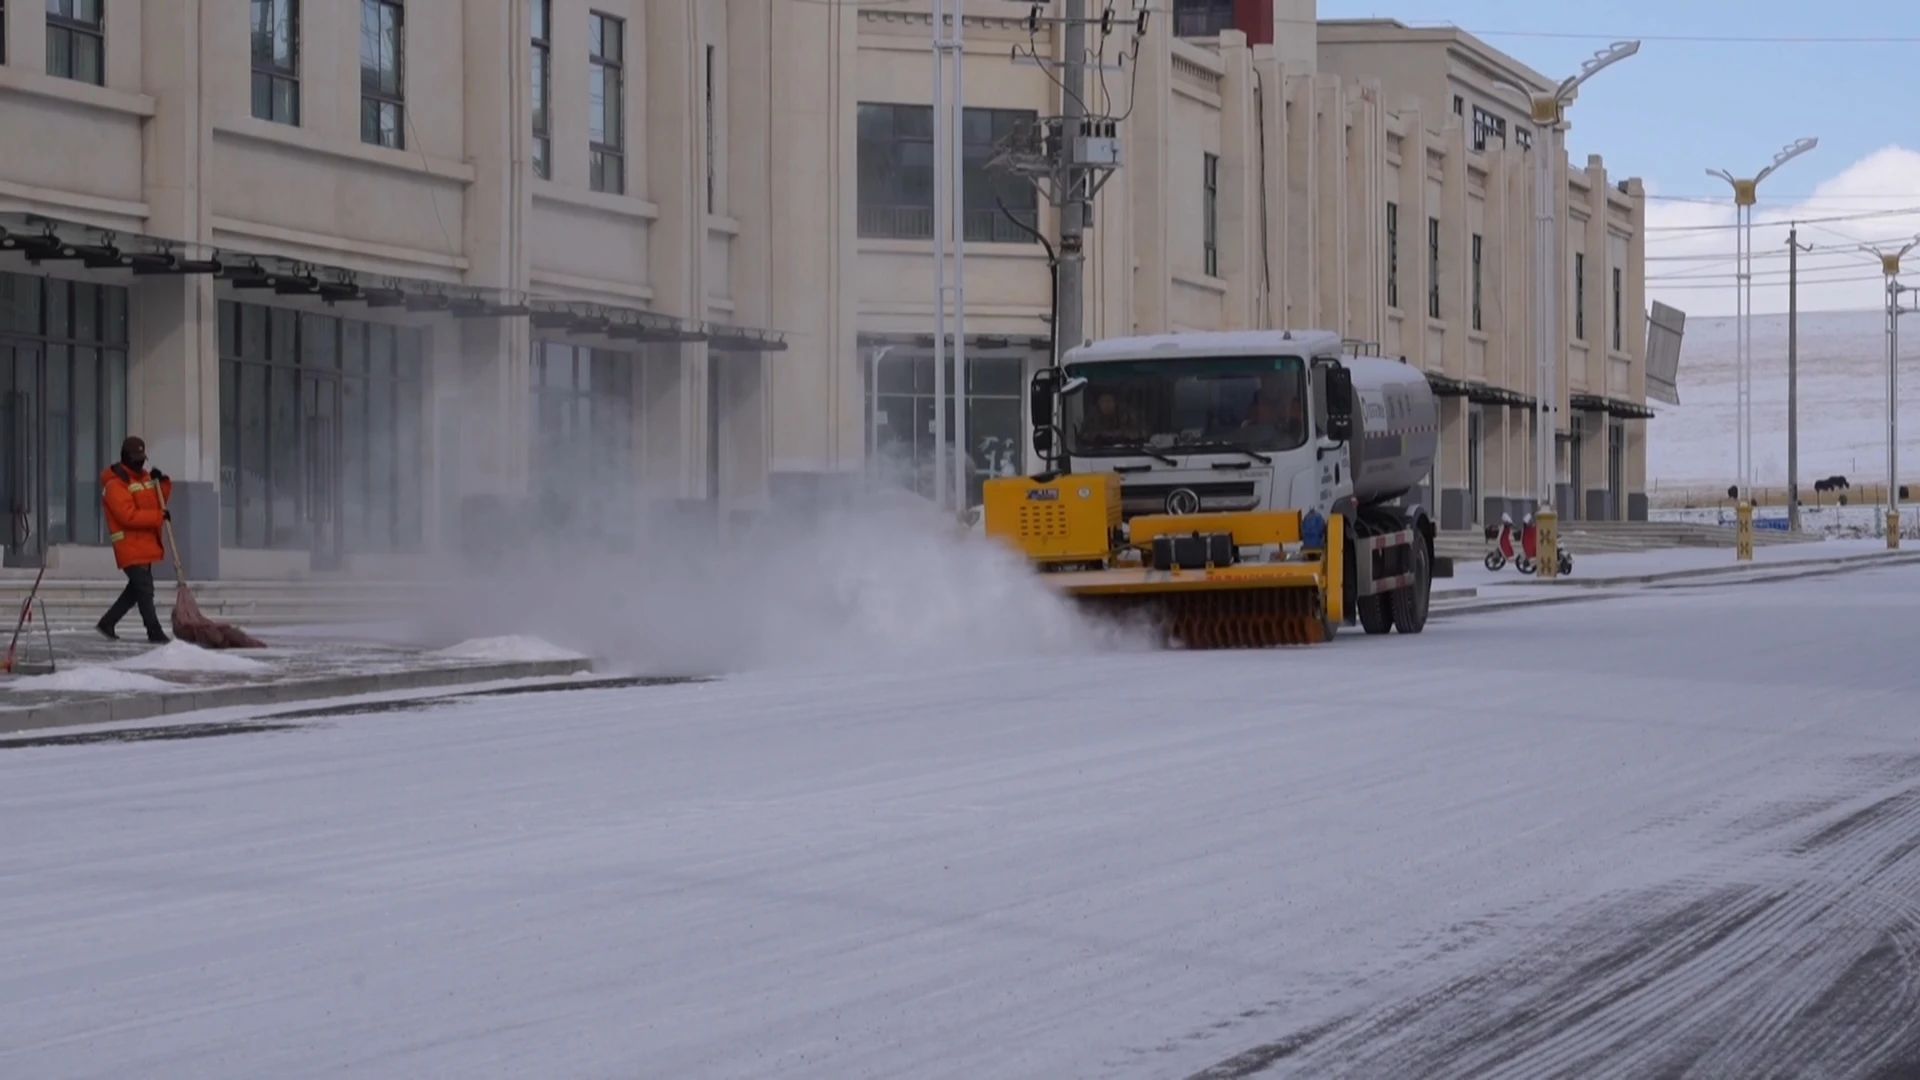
(1843, 395)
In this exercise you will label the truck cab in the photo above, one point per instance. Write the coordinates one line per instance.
(1204, 422)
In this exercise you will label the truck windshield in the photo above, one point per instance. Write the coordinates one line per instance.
(1190, 403)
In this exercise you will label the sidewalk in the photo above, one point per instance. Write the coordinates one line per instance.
(99, 681)
(1598, 577)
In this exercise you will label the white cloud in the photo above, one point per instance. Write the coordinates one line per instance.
(1693, 268)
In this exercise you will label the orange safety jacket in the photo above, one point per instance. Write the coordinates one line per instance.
(134, 514)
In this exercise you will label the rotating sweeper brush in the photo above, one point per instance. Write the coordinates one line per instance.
(1203, 581)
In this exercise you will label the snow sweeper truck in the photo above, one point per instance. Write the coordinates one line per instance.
(1235, 490)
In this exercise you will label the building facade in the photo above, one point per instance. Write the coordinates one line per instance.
(355, 268)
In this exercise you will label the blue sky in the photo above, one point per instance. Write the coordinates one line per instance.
(1680, 107)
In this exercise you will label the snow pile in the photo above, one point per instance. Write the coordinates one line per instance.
(91, 680)
(184, 656)
(509, 649)
(869, 581)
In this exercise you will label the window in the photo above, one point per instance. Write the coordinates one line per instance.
(900, 413)
(1616, 308)
(1579, 296)
(542, 89)
(1523, 137)
(1459, 105)
(383, 73)
(712, 200)
(896, 175)
(1201, 18)
(1210, 214)
(1487, 126)
(606, 105)
(63, 378)
(1200, 404)
(276, 60)
(1476, 281)
(1393, 255)
(322, 424)
(77, 40)
(1433, 267)
(582, 423)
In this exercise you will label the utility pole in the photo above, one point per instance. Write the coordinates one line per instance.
(1890, 267)
(1070, 157)
(1549, 113)
(1069, 322)
(1793, 376)
(949, 225)
(1745, 194)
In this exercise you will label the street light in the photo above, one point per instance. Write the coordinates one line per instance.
(1890, 266)
(1744, 195)
(1549, 112)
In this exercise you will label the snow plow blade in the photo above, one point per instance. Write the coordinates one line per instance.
(1198, 581)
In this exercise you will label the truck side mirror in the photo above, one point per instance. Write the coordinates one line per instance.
(1043, 441)
(1339, 403)
(1040, 395)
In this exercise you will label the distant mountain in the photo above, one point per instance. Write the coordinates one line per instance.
(1843, 395)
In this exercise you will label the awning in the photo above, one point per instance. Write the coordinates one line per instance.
(42, 239)
(1612, 406)
(1483, 394)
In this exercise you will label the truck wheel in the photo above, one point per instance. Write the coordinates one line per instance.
(1376, 614)
(1410, 603)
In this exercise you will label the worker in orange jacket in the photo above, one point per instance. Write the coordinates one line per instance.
(135, 498)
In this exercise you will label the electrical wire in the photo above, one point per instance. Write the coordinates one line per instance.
(1905, 211)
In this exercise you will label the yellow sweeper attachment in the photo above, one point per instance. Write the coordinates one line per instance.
(1203, 581)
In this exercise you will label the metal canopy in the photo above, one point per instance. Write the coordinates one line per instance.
(41, 239)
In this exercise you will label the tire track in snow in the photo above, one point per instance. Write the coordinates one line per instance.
(1813, 966)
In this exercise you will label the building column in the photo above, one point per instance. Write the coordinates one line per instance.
(1240, 239)
(813, 243)
(676, 393)
(1413, 238)
(1149, 185)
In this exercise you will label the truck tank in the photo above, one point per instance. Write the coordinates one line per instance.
(1396, 428)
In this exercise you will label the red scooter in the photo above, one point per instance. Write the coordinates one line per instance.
(1527, 558)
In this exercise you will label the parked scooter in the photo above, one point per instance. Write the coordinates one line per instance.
(1505, 542)
(1527, 558)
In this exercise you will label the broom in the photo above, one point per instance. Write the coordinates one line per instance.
(188, 623)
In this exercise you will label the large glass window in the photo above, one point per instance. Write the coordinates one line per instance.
(383, 73)
(1210, 214)
(583, 435)
(1188, 405)
(1202, 18)
(606, 103)
(63, 405)
(276, 60)
(77, 40)
(542, 32)
(896, 175)
(901, 409)
(320, 419)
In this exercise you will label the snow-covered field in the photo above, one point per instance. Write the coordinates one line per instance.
(1843, 403)
(1619, 837)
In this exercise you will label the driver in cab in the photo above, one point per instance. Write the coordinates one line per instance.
(1278, 417)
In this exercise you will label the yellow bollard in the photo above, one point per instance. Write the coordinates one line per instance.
(1893, 530)
(1743, 534)
(1548, 546)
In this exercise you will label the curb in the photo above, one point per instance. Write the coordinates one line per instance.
(1785, 569)
(1787, 572)
(110, 710)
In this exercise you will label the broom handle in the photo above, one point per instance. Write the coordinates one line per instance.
(173, 546)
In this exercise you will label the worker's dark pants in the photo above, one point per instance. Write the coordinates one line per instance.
(139, 591)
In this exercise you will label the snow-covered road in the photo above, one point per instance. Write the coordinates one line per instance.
(1613, 838)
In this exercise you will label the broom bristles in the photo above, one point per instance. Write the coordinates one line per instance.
(191, 626)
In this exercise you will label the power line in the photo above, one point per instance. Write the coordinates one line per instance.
(1803, 281)
(1906, 211)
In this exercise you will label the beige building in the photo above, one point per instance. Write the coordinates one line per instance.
(356, 267)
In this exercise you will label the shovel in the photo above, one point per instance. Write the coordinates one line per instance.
(188, 623)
